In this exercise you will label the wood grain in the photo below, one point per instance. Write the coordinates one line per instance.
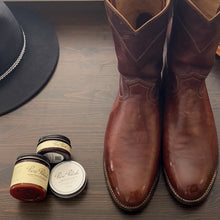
(76, 102)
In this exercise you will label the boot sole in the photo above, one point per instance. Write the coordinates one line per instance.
(125, 207)
(186, 201)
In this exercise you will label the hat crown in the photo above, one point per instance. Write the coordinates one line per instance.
(11, 39)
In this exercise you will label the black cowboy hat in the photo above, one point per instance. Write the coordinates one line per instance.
(29, 52)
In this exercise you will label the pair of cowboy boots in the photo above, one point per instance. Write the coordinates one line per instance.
(175, 109)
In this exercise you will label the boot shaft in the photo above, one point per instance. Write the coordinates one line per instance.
(194, 38)
(139, 31)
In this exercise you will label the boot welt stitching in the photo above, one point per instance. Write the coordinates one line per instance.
(146, 85)
(130, 208)
(138, 80)
(193, 201)
(178, 88)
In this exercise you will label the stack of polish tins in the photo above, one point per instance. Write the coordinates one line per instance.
(50, 164)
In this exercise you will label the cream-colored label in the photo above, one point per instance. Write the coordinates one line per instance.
(31, 172)
(51, 144)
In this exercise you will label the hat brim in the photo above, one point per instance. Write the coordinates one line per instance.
(37, 65)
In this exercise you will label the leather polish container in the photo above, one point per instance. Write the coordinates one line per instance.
(67, 179)
(30, 178)
(56, 148)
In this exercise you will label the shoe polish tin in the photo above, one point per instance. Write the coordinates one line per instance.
(56, 148)
(67, 179)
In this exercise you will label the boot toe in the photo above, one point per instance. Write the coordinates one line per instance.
(131, 198)
(130, 192)
(190, 189)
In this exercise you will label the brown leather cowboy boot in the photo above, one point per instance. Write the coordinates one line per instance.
(190, 148)
(132, 140)
(218, 50)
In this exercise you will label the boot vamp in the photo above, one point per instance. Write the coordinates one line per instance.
(132, 148)
(190, 143)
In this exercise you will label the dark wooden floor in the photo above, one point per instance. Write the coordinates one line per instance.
(76, 103)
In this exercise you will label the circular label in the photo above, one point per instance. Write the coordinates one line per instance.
(54, 157)
(67, 179)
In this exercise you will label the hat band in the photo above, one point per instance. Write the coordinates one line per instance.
(18, 60)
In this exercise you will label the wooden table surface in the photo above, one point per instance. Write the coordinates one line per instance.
(76, 103)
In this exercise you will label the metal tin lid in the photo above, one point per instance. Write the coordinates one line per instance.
(67, 179)
(55, 147)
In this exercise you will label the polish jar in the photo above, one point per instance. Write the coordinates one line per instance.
(67, 179)
(56, 148)
(30, 178)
